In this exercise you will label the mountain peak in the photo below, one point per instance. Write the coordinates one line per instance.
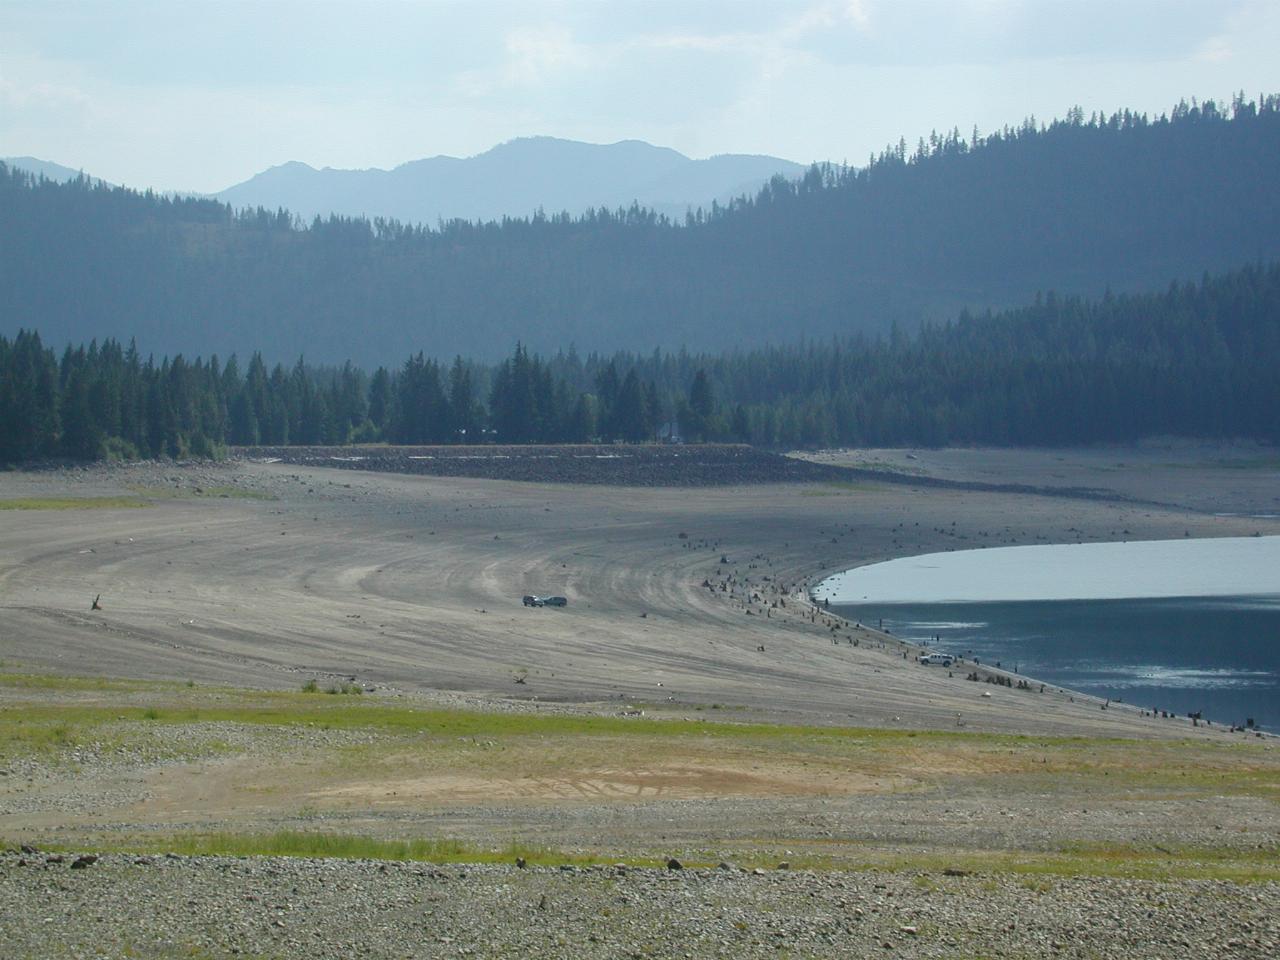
(512, 179)
(291, 166)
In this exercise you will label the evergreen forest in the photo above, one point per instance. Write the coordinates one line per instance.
(1197, 359)
(1083, 205)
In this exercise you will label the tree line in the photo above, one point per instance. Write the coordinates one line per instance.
(1197, 359)
(1080, 205)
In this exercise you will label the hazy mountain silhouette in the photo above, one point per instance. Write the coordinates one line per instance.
(47, 169)
(514, 179)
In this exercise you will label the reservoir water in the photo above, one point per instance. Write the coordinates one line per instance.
(1182, 626)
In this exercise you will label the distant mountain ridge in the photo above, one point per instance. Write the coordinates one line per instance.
(514, 179)
(47, 169)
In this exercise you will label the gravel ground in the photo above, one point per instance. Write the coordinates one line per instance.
(222, 907)
(112, 771)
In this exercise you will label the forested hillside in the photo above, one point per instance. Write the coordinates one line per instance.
(1196, 360)
(1082, 206)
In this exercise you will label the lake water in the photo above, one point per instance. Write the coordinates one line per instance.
(1098, 617)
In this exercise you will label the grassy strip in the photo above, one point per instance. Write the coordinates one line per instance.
(72, 503)
(223, 704)
(39, 681)
(210, 703)
(348, 713)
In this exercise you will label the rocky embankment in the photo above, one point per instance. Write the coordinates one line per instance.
(58, 905)
(651, 465)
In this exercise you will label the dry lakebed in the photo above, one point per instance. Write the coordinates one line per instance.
(268, 709)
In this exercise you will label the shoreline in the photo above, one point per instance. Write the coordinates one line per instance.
(984, 672)
(993, 673)
(1124, 570)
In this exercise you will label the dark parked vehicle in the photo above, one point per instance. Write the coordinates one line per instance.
(532, 601)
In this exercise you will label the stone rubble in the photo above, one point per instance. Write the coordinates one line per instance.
(123, 905)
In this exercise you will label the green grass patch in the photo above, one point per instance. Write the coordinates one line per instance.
(53, 682)
(59, 742)
(49, 730)
(366, 713)
(72, 503)
(1265, 856)
(181, 704)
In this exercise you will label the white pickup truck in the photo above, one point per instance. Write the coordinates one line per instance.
(942, 659)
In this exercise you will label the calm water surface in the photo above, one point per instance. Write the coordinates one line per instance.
(1219, 655)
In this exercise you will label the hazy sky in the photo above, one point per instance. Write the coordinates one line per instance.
(189, 94)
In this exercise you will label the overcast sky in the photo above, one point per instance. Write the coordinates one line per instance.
(188, 94)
